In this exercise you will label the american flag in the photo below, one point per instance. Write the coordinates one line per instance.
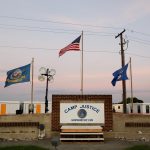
(74, 46)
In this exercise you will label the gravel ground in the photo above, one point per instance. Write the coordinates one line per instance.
(107, 145)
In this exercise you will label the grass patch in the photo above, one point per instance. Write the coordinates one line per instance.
(22, 148)
(139, 147)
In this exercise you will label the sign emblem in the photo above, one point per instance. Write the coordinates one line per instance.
(82, 113)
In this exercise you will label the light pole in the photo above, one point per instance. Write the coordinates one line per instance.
(49, 78)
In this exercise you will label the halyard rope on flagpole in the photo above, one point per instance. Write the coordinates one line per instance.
(131, 87)
(32, 107)
(82, 66)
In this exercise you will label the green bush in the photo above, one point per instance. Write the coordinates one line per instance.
(139, 147)
(22, 148)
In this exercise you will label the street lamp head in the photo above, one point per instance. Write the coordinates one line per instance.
(52, 72)
(51, 79)
(49, 76)
(42, 70)
(41, 78)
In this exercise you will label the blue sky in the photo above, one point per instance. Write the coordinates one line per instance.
(39, 29)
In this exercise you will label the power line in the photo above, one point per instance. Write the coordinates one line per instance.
(139, 42)
(86, 32)
(133, 31)
(33, 27)
(139, 39)
(59, 22)
(54, 50)
(51, 49)
(101, 51)
(75, 24)
(23, 47)
(137, 55)
(27, 28)
(35, 30)
(59, 32)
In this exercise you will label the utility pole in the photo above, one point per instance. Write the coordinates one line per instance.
(123, 64)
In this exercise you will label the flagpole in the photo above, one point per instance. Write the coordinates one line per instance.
(32, 107)
(82, 65)
(131, 87)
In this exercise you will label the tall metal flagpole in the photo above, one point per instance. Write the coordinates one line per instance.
(131, 86)
(82, 65)
(32, 107)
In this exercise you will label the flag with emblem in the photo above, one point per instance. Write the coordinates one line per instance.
(120, 74)
(18, 75)
(74, 46)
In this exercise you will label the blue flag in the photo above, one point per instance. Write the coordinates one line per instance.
(18, 75)
(120, 74)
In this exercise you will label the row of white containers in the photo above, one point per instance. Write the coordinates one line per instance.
(10, 107)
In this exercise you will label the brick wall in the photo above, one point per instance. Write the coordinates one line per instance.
(25, 126)
(121, 119)
(56, 99)
(130, 126)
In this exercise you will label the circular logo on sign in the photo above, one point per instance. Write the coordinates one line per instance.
(82, 113)
(16, 74)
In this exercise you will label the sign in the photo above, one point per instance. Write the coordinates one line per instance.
(82, 113)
